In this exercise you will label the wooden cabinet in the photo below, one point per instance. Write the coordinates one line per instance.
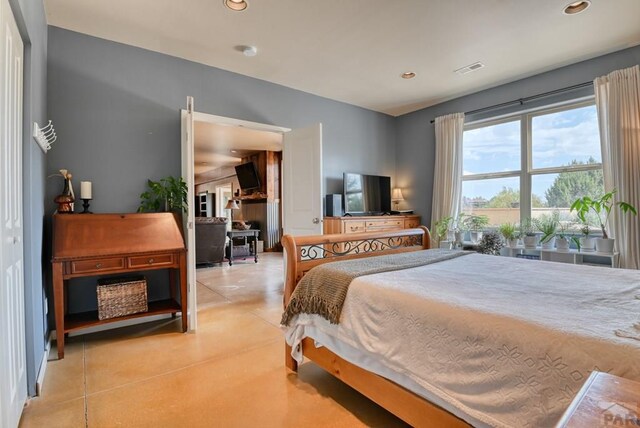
(369, 223)
(100, 244)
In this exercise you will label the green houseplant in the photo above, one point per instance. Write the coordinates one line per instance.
(563, 241)
(548, 226)
(442, 230)
(168, 194)
(510, 233)
(529, 236)
(602, 208)
(475, 223)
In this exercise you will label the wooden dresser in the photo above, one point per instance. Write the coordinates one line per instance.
(101, 244)
(369, 223)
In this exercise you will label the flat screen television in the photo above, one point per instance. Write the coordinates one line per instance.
(248, 176)
(366, 194)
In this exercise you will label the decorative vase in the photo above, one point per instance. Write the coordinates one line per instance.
(587, 244)
(549, 243)
(605, 245)
(562, 244)
(451, 235)
(530, 241)
(512, 243)
(66, 199)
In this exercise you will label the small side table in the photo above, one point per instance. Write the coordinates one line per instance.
(236, 233)
(604, 401)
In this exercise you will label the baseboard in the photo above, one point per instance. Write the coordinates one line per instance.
(116, 324)
(43, 366)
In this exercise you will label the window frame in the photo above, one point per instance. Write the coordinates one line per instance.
(526, 171)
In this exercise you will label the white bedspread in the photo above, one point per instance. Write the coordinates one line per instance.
(497, 341)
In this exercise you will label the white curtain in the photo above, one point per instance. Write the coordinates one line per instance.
(618, 103)
(447, 181)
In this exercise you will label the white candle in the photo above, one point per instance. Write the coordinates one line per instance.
(85, 190)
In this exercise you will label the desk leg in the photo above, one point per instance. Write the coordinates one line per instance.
(231, 252)
(172, 287)
(58, 299)
(183, 290)
(255, 247)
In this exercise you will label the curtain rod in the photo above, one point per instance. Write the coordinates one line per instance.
(521, 101)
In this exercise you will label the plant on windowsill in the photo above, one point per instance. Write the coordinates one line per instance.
(167, 195)
(586, 242)
(475, 223)
(602, 208)
(529, 236)
(490, 244)
(442, 230)
(563, 241)
(510, 233)
(459, 230)
(548, 226)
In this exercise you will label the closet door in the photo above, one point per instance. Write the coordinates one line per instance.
(13, 387)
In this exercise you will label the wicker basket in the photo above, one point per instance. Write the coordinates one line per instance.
(118, 297)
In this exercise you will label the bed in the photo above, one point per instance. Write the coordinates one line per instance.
(473, 340)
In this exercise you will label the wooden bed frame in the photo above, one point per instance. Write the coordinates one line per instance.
(306, 252)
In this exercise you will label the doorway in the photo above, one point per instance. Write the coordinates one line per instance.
(300, 184)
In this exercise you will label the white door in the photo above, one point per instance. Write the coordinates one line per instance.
(187, 176)
(13, 373)
(302, 181)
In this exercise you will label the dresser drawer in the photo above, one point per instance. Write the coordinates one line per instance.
(151, 261)
(411, 223)
(354, 227)
(384, 224)
(100, 265)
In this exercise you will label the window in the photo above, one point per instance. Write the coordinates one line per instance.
(532, 164)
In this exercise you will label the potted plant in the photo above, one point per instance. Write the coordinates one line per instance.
(587, 243)
(548, 225)
(442, 231)
(602, 208)
(562, 238)
(475, 223)
(510, 233)
(529, 236)
(168, 194)
(490, 244)
(459, 230)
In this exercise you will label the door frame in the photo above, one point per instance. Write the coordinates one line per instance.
(188, 146)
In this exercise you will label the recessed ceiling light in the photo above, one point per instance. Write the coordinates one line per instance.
(234, 151)
(237, 5)
(408, 75)
(576, 7)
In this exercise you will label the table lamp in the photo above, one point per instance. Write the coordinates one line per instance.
(396, 197)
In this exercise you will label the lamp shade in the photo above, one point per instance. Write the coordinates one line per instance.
(232, 205)
(396, 195)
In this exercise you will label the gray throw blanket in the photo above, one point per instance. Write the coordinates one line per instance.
(323, 289)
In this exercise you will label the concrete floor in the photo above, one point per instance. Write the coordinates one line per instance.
(229, 374)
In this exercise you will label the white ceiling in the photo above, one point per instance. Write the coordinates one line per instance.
(219, 146)
(355, 50)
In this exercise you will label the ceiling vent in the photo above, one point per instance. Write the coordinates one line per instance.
(469, 68)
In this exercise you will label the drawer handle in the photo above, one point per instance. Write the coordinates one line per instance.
(150, 261)
(98, 265)
(354, 227)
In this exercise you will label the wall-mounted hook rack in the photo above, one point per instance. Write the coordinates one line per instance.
(44, 136)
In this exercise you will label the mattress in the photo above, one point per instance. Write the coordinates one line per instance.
(497, 341)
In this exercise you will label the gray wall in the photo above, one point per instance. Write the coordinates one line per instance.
(116, 111)
(31, 21)
(415, 151)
